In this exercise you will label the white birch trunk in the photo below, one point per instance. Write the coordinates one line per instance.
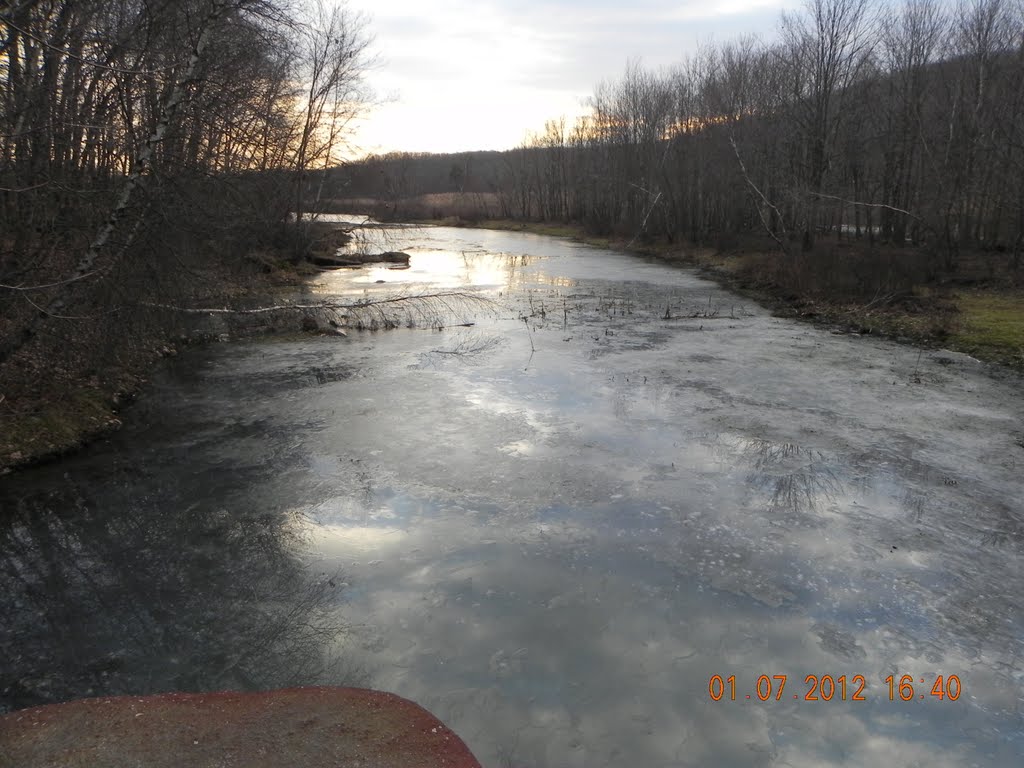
(144, 160)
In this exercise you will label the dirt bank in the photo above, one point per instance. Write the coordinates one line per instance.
(311, 727)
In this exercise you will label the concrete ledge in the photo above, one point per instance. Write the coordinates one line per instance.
(310, 727)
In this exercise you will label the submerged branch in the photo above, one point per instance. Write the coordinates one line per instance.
(471, 346)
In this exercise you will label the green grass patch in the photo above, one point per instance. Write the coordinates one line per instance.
(54, 427)
(992, 326)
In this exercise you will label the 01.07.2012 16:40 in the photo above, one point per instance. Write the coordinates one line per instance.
(841, 688)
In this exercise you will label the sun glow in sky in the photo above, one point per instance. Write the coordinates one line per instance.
(479, 74)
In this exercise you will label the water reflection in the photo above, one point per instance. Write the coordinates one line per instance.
(466, 348)
(794, 478)
(555, 543)
(472, 259)
(137, 594)
(569, 641)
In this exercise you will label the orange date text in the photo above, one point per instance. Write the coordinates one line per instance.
(834, 688)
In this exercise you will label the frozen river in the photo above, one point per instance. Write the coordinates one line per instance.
(553, 528)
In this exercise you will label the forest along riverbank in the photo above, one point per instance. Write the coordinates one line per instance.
(554, 528)
(51, 405)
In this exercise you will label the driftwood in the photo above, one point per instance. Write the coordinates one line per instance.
(358, 259)
(431, 310)
(334, 306)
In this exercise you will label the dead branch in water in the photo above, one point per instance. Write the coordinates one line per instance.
(329, 305)
(431, 310)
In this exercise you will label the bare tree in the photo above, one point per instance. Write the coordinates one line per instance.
(911, 37)
(137, 137)
(826, 50)
(333, 48)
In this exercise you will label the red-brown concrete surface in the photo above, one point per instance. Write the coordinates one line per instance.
(303, 727)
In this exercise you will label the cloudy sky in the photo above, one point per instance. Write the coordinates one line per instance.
(478, 74)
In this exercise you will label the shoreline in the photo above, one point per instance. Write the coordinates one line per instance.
(75, 414)
(69, 414)
(958, 318)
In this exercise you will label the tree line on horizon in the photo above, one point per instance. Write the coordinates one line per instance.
(899, 125)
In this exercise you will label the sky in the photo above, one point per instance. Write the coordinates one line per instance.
(454, 75)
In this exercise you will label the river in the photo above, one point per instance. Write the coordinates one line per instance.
(555, 527)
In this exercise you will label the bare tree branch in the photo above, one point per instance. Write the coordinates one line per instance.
(144, 161)
(865, 205)
(43, 286)
(760, 213)
(88, 62)
(643, 224)
(332, 305)
(24, 189)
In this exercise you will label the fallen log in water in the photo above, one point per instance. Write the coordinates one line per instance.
(334, 261)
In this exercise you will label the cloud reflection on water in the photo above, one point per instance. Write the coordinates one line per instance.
(554, 551)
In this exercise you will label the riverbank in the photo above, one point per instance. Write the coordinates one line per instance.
(973, 312)
(983, 320)
(50, 407)
(56, 411)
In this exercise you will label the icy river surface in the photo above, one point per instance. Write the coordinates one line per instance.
(625, 518)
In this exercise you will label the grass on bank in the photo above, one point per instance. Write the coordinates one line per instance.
(55, 426)
(980, 316)
(992, 326)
